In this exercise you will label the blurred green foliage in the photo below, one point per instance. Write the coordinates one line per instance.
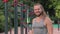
(50, 6)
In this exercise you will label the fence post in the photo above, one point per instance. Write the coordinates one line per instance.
(58, 25)
(6, 15)
(10, 23)
(26, 18)
(27, 13)
(15, 17)
(21, 19)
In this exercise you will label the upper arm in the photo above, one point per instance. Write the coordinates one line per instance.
(48, 21)
(49, 25)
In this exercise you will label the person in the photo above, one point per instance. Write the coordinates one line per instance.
(41, 24)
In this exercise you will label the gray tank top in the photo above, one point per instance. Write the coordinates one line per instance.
(39, 28)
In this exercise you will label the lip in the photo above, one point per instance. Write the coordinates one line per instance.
(37, 12)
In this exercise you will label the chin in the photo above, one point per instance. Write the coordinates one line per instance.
(38, 15)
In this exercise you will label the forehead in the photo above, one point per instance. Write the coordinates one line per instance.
(37, 6)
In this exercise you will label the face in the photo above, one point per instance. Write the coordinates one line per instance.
(37, 10)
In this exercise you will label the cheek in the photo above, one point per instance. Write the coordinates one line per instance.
(40, 10)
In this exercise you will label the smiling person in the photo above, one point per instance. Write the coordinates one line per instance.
(41, 24)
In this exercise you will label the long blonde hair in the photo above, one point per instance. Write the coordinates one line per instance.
(44, 13)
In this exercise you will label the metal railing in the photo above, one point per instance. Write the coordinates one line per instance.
(16, 17)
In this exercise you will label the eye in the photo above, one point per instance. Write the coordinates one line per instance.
(38, 9)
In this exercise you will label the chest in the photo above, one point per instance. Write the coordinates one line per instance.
(40, 24)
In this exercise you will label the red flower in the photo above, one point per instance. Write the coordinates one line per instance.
(5, 1)
(31, 13)
(22, 4)
(21, 18)
(15, 0)
(24, 10)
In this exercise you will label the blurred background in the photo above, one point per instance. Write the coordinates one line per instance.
(25, 9)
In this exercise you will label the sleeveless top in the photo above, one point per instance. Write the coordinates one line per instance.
(39, 28)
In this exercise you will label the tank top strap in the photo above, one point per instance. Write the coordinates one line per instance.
(43, 19)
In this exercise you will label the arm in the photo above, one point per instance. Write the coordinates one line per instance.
(31, 30)
(49, 25)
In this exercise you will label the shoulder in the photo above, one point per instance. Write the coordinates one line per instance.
(33, 20)
(48, 20)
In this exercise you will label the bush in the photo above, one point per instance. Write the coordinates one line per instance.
(55, 19)
(2, 22)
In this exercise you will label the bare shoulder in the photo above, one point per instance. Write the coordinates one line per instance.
(48, 20)
(33, 20)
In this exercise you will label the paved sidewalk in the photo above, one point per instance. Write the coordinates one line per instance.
(55, 31)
